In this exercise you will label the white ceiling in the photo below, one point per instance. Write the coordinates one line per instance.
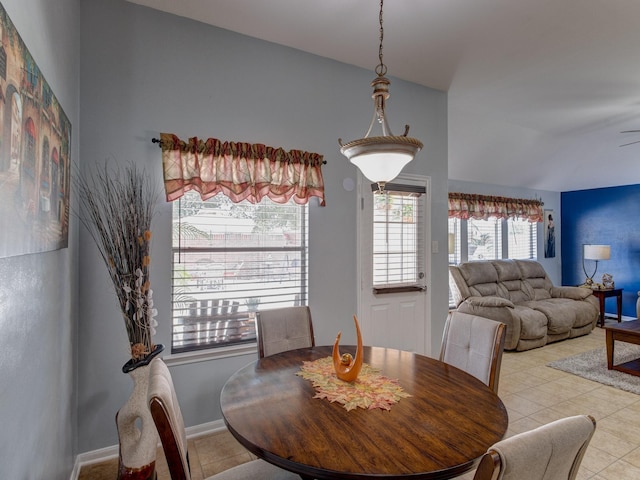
(539, 90)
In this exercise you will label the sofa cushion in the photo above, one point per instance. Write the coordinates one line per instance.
(586, 314)
(481, 278)
(509, 279)
(534, 275)
(533, 324)
(478, 272)
(560, 313)
(507, 270)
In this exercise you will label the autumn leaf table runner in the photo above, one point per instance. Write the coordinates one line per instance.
(369, 391)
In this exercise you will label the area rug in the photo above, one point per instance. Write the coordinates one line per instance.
(592, 365)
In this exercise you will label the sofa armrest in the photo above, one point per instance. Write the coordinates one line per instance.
(574, 293)
(490, 302)
(498, 309)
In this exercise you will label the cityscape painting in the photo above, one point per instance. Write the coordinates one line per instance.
(35, 143)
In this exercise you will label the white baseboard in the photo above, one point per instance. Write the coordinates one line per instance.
(111, 452)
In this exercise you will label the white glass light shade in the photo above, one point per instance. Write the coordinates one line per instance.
(597, 252)
(381, 159)
(381, 167)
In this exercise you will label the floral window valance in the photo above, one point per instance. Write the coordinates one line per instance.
(465, 206)
(241, 171)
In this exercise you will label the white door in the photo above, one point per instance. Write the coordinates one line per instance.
(388, 318)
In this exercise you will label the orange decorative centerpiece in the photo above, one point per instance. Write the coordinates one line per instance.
(347, 368)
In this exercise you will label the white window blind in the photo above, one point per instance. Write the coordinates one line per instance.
(523, 239)
(231, 260)
(398, 238)
(484, 239)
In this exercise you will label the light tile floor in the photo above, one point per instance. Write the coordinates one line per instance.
(533, 393)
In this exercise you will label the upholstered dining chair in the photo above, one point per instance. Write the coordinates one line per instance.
(551, 452)
(474, 344)
(282, 329)
(167, 416)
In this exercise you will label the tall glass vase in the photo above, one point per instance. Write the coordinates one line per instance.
(137, 434)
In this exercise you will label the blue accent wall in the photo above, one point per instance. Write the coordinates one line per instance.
(608, 216)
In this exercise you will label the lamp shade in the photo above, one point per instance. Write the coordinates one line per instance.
(381, 167)
(597, 252)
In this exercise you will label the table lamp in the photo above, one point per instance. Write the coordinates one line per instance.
(597, 253)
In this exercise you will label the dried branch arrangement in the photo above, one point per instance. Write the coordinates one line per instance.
(117, 207)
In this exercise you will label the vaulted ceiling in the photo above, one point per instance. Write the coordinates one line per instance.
(538, 90)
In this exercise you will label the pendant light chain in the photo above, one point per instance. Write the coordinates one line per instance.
(381, 69)
(381, 158)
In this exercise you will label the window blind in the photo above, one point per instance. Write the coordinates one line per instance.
(231, 260)
(398, 237)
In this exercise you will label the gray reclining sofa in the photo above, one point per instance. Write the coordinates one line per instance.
(520, 294)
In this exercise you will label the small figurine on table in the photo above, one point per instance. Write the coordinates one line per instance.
(607, 281)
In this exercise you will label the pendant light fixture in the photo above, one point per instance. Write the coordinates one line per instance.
(382, 158)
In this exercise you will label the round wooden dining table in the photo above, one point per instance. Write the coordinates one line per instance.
(439, 432)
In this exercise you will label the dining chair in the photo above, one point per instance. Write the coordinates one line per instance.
(551, 452)
(474, 344)
(166, 414)
(282, 329)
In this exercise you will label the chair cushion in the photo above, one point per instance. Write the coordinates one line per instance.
(285, 329)
(469, 344)
(254, 470)
(550, 452)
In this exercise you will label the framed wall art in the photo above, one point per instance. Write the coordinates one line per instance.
(35, 144)
(549, 235)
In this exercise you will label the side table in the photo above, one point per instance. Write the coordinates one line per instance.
(605, 293)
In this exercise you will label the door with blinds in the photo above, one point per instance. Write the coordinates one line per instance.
(393, 265)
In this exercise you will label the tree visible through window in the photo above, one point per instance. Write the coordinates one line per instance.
(231, 260)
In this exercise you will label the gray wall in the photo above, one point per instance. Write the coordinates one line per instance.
(145, 72)
(37, 292)
(551, 200)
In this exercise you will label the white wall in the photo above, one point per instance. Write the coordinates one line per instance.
(37, 292)
(145, 72)
(551, 200)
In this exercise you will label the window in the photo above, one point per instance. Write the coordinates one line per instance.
(398, 238)
(484, 240)
(483, 227)
(492, 239)
(523, 239)
(230, 260)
